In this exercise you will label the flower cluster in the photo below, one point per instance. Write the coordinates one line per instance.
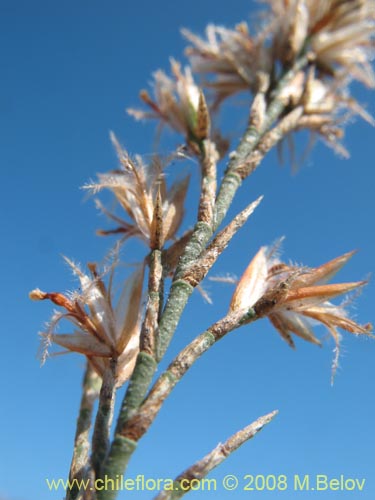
(103, 331)
(339, 33)
(335, 40)
(178, 102)
(295, 297)
(327, 107)
(155, 210)
(339, 36)
(232, 58)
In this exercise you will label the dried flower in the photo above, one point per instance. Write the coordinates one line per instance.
(103, 332)
(339, 34)
(232, 58)
(178, 103)
(327, 107)
(156, 212)
(294, 297)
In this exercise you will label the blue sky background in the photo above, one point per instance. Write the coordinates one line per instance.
(68, 71)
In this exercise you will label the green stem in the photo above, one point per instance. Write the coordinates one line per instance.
(138, 385)
(90, 392)
(198, 241)
(100, 439)
(141, 420)
(178, 297)
(123, 447)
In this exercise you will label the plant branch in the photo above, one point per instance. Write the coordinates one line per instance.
(122, 448)
(135, 419)
(202, 232)
(141, 420)
(78, 468)
(253, 134)
(198, 269)
(180, 291)
(195, 273)
(287, 124)
(184, 482)
(100, 439)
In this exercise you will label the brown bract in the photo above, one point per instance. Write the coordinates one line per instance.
(155, 211)
(103, 331)
(294, 297)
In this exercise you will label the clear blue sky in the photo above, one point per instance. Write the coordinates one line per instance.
(68, 71)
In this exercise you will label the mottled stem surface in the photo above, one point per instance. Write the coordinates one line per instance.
(194, 474)
(103, 421)
(79, 465)
(142, 419)
(154, 303)
(208, 163)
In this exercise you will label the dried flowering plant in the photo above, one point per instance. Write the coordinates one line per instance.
(297, 71)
